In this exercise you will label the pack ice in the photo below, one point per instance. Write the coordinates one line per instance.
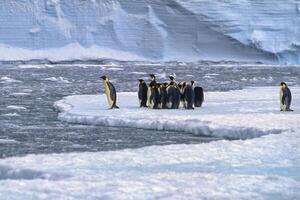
(238, 114)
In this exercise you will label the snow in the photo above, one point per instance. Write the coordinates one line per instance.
(262, 168)
(190, 30)
(72, 51)
(239, 114)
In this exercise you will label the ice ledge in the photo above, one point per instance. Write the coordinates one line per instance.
(241, 114)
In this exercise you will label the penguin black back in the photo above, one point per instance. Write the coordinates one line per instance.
(173, 97)
(285, 97)
(199, 96)
(189, 97)
(142, 93)
(164, 95)
(152, 94)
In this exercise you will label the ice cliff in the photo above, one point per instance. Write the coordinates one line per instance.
(160, 30)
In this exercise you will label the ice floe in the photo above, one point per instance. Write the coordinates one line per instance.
(239, 114)
(262, 168)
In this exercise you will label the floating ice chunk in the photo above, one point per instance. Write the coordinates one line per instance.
(8, 141)
(12, 107)
(239, 114)
(6, 79)
(138, 73)
(57, 79)
(11, 115)
(16, 94)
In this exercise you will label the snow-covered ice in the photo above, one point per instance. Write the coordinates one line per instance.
(262, 168)
(238, 114)
(266, 167)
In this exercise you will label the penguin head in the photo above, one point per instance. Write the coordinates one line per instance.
(192, 83)
(141, 81)
(283, 85)
(172, 77)
(181, 85)
(165, 84)
(105, 78)
(152, 77)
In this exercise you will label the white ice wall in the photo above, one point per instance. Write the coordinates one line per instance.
(247, 30)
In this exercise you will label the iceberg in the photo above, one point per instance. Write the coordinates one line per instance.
(250, 30)
(238, 114)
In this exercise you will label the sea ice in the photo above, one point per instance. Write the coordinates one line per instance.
(262, 168)
(238, 114)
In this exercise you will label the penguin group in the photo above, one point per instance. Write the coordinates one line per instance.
(173, 96)
(169, 95)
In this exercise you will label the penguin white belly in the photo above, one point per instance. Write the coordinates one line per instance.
(107, 92)
(149, 98)
(282, 106)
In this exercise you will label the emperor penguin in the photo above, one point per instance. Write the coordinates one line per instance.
(110, 92)
(164, 95)
(152, 93)
(173, 93)
(187, 94)
(158, 96)
(199, 95)
(172, 78)
(285, 97)
(142, 93)
(181, 86)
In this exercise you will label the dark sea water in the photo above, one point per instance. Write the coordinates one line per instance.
(29, 125)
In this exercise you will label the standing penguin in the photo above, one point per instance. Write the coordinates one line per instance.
(152, 93)
(164, 95)
(158, 96)
(173, 93)
(142, 93)
(110, 92)
(199, 95)
(285, 97)
(181, 86)
(187, 95)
